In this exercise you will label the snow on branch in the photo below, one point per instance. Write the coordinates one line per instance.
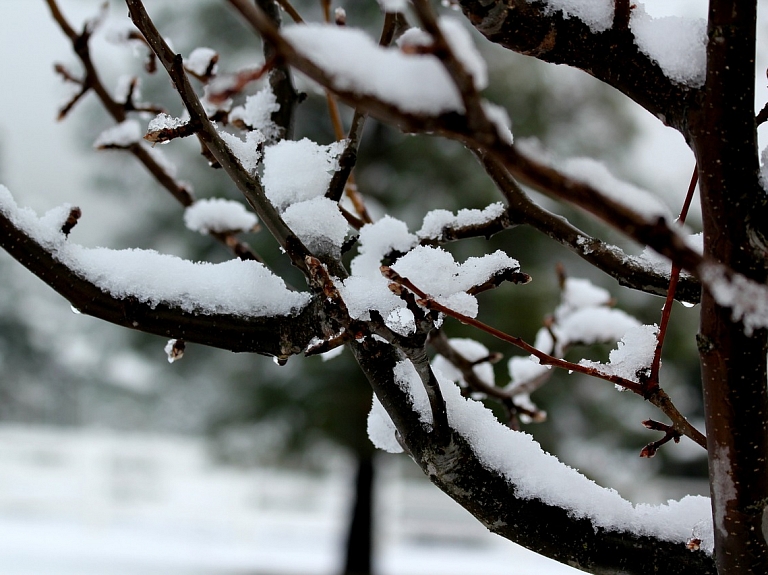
(663, 78)
(415, 83)
(535, 474)
(236, 287)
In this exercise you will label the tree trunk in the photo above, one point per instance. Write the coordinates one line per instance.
(733, 361)
(360, 537)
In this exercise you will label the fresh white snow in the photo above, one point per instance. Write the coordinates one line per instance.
(120, 135)
(219, 215)
(536, 474)
(244, 288)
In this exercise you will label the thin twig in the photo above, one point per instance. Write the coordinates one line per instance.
(657, 397)
(673, 278)
(249, 185)
(93, 81)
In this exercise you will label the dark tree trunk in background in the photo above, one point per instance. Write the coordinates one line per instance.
(360, 537)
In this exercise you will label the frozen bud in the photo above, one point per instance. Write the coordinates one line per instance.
(340, 16)
(175, 349)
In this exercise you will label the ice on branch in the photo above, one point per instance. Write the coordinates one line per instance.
(413, 83)
(535, 474)
(597, 14)
(218, 215)
(257, 112)
(122, 135)
(243, 288)
(437, 222)
(677, 44)
(633, 357)
(248, 152)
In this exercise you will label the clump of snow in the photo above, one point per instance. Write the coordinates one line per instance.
(257, 113)
(393, 5)
(199, 61)
(299, 171)
(377, 240)
(579, 293)
(633, 356)
(432, 269)
(164, 121)
(677, 44)
(218, 215)
(747, 299)
(437, 273)
(597, 14)
(121, 135)
(764, 169)
(536, 474)
(660, 264)
(500, 118)
(248, 152)
(173, 350)
(167, 165)
(127, 85)
(414, 83)
(593, 325)
(436, 221)
(237, 287)
(381, 430)
(318, 223)
(524, 372)
(471, 350)
(595, 174)
(462, 46)
(361, 294)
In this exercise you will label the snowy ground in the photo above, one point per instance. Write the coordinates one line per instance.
(102, 503)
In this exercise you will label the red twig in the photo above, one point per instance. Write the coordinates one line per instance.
(653, 380)
(544, 358)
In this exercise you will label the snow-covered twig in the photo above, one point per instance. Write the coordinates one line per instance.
(657, 397)
(248, 184)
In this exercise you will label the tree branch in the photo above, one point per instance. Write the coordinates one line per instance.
(494, 500)
(279, 336)
(247, 184)
(533, 29)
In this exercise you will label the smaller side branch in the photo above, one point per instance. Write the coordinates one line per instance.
(658, 397)
(279, 336)
(249, 186)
